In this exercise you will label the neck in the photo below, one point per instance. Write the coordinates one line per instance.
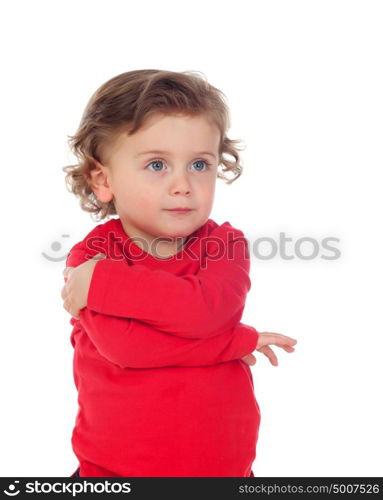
(163, 248)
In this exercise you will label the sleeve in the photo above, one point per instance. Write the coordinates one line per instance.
(197, 305)
(131, 344)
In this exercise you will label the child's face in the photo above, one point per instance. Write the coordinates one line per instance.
(145, 185)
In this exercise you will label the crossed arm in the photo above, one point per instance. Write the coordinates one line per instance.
(129, 343)
(198, 305)
(166, 320)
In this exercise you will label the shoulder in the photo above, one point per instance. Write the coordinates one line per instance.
(225, 240)
(93, 243)
(101, 229)
(225, 230)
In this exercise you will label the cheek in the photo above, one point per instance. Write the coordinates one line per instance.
(145, 197)
(206, 190)
(133, 191)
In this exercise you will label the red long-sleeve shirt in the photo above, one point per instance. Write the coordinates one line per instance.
(161, 387)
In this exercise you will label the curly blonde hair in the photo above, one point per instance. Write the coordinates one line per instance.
(129, 99)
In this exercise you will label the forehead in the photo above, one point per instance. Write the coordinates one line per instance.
(171, 133)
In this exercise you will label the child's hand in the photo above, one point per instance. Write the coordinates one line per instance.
(266, 338)
(249, 359)
(77, 283)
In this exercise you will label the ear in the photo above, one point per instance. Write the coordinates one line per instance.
(100, 183)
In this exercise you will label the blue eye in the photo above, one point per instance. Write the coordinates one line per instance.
(154, 162)
(202, 161)
(157, 162)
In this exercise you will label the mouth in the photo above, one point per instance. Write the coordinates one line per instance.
(179, 210)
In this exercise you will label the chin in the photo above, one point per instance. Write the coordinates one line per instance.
(178, 234)
(182, 231)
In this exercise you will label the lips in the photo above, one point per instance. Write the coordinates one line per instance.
(180, 209)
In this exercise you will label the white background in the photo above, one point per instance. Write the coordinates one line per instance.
(304, 83)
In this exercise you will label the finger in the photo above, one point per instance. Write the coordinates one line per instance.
(267, 351)
(75, 313)
(288, 348)
(66, 306)
(64, 292)
(99, 256)
(277, 339)
(280, 335)
(249, 359)
(268, 340)
(67, 270)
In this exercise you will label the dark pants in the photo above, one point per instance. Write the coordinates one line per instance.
(77, 473)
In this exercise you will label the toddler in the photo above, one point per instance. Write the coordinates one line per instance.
(156, 295)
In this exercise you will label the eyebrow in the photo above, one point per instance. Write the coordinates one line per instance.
(168, 152)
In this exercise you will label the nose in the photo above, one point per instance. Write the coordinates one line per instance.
(180, 184)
